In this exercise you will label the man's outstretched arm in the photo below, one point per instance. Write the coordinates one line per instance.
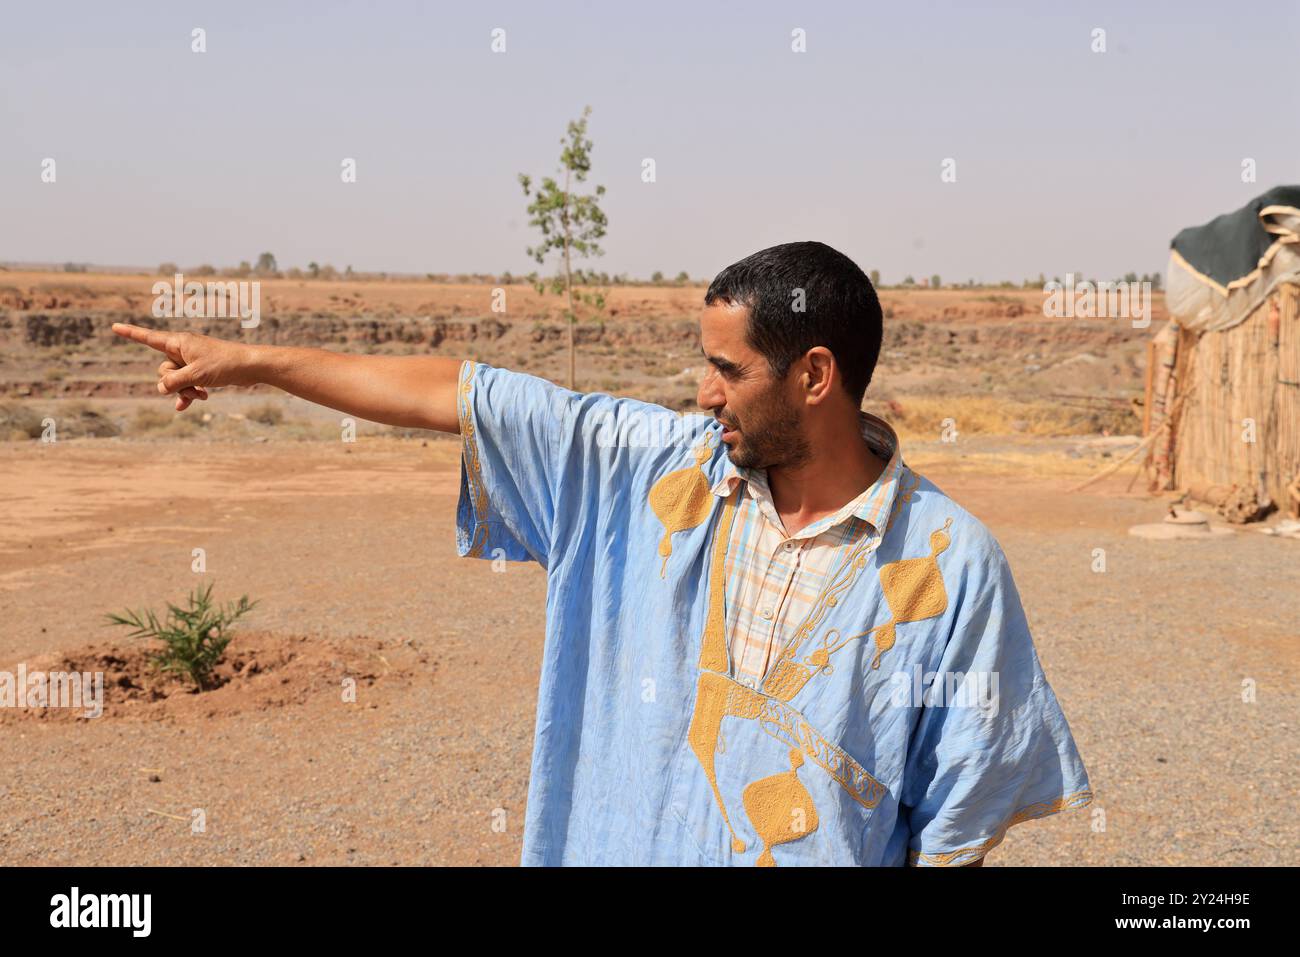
(411, 391)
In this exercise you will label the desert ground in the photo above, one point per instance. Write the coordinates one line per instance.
(349, 548)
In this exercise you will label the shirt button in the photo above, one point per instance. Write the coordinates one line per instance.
(767, 612)
(789, 546)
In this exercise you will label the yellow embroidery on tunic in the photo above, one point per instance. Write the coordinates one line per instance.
(903, 495)
(682, 499)
(773, 801)
(469, 450)
(712, 699)
(786, 724)
(976, 851)
(718, 696)
(713, 647)
(914, 590)
(787, 676)
(780, 808)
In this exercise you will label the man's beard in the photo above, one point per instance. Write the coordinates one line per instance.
(770, 435)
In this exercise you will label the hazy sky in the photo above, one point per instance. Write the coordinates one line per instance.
(1066, 159)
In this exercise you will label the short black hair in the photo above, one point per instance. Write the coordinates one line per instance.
(840, 308)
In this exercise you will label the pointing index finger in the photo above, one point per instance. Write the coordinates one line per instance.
(150, 337)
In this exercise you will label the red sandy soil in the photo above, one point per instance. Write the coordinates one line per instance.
(350, 550)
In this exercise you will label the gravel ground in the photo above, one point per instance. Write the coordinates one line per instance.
(1148, 659)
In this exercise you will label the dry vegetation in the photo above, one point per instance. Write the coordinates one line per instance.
(988, 360)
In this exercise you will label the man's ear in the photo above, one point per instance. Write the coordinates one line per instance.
(816, 380)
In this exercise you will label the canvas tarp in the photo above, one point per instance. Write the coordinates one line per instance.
(1221, 272)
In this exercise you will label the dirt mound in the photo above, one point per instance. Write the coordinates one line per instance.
(260, 671)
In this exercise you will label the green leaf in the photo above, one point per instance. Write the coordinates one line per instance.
(194, 638)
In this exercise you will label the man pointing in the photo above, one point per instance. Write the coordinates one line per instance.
(769, 641)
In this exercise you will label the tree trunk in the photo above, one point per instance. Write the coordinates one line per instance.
(568, 287)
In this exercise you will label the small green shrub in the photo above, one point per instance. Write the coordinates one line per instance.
(194, 638)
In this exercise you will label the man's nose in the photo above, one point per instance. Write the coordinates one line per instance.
(709, 396)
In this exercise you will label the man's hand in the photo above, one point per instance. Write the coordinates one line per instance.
(409, 391)
(194, 362)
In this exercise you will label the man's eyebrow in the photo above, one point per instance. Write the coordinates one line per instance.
(721, 363)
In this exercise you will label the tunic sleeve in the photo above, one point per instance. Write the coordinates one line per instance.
(541, 465)
(998, 751)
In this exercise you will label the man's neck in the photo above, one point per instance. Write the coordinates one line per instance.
(840, 469)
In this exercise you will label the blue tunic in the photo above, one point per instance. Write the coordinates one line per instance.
(907, 720)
